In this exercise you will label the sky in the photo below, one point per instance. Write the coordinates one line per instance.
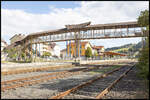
(27, 17)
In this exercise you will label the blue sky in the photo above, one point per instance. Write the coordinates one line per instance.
(34, 16)
(38, 6)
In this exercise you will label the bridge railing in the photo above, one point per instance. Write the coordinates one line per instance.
(87, 35)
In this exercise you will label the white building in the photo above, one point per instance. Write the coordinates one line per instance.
(63, 53)
(53, 48)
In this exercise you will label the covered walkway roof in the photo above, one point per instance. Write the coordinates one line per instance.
(83, 27)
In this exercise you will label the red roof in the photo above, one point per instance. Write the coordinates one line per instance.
(113, 53)
(97, 47)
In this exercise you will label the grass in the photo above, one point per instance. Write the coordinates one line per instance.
(4, 61)
(38, 60)
(102, 71)
(122, 49)
(21, 61)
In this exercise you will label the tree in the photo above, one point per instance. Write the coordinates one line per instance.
(95, 54)
(12, 53)
(143, 64)
(143, 59)
(143, 19)
(88, 52)
(46, 54)
(23, 55)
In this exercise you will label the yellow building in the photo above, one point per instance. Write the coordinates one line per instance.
(71, 48)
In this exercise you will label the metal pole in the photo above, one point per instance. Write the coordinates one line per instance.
(66, 48)
(79, 48)
(36, 51)
(31, 51)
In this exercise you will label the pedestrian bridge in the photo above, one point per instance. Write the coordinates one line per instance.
(84, 31)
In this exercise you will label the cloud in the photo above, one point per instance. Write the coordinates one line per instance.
(16, 21)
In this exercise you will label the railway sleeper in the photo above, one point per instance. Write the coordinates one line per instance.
(82, 86)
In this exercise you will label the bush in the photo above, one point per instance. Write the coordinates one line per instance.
(46, 54)
(143, 64)
(88, 52)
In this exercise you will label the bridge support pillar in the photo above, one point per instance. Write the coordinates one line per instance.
(77, 50)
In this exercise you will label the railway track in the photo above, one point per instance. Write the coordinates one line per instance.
(11, 84)
(95, 88)
(19, 71)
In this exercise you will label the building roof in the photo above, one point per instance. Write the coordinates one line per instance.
(22, 36)
(2, 40)
(97, 47)
(78, 25)
(114, 24)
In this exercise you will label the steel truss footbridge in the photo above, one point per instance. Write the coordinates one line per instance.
(78, 32)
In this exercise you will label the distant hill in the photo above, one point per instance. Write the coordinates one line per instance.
(129, 49)
(119, 48)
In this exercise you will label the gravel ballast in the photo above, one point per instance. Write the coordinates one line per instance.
(129, 87)
(30, 74)
(46, 89)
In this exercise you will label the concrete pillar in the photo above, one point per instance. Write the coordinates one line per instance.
(31, 51)
(79, 47)
(70, 48)
(36, 51)
(66, 49)
(39, 50)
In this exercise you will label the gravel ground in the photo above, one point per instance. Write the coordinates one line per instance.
(45, 90)
(96, 87)
(130, 87)
(22, 75)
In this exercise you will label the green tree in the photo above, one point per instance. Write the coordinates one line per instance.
(88, 52)
(12, 53)
(143, 59)
(143, 19)
(95, 54)
(23, 56)
(143, 64)
(46, 54)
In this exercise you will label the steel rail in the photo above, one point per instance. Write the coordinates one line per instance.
(106, 90)
(37, 81)
(28, 78)
(62, 94)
